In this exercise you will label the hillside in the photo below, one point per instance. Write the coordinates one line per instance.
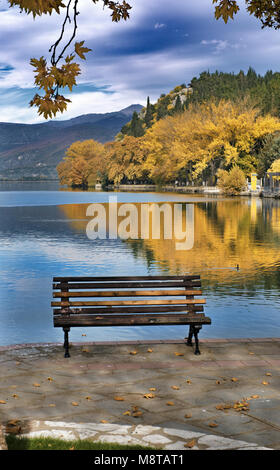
(262, 91)
(32, 151)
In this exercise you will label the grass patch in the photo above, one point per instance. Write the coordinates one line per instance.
(49, 443)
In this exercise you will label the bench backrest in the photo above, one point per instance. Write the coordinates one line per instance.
(87, 297)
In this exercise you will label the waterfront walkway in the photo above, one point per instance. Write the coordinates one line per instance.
(155, 393)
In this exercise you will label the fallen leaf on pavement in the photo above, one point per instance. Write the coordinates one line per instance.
(170, 403)
(149, 395)
(103, 421)
(149, 350)
(188, 415)
(190, 444)
(241, 406)
(223, 406)
(178, 354)
(3, 402)
(74, 403)
(127, 413)
(213, 425)
(268, 373)
(36, 385)
(133, 353)
(118, 398)
(175, 387)
(234, 379)
(264, 382)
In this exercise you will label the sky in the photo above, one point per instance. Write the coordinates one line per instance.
(164, 44)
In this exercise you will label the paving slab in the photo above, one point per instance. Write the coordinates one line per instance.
(149, 392)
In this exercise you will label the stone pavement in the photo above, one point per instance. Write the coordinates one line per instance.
(153, 393)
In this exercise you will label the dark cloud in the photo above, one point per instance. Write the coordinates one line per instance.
(163, 44)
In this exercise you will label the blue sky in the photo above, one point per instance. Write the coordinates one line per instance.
(162, 45)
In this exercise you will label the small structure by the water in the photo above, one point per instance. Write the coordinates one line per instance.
(271, 186)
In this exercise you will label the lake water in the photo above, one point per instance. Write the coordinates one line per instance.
(43, 234)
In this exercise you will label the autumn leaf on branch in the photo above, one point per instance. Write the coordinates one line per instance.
(225, 9)
(52, 78)
(267, 11)
(80, 50)
(38, 7)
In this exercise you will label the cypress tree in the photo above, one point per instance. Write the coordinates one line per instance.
(136, 128)
(178, 108)
(148, 115)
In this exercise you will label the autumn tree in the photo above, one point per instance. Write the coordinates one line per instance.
(126, 160)
(204, 138)
(231, 182)
(83, 165)
(275, 168)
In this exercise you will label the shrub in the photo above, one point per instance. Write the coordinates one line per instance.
(231, 182)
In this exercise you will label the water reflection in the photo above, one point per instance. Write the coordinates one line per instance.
(236, 251)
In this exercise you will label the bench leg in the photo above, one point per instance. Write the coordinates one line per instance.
(66, 330)
(193, 331)
(196, 330)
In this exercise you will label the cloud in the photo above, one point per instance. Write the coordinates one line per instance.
(219, 45)
(130, 60)
(159, 25)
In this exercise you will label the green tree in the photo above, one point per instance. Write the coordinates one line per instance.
(148, 114)
(269, 152)
(178, 108)
(136, 127)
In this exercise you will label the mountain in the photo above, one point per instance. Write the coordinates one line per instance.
(32, 151)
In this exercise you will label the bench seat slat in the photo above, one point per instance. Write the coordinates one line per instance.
(93, 303)
(126, 320)
(135, 293)
(67, 311)
(124, 278)
(126, 285)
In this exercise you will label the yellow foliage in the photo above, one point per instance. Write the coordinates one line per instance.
(225, 131)
(275, 168)
(126, 159)
(84, 164)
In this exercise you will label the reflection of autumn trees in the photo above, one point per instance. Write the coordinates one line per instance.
(190, 145)
(226, 234)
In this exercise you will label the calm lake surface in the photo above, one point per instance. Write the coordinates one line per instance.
(43, 234)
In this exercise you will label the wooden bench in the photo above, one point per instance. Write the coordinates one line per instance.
(129, 301)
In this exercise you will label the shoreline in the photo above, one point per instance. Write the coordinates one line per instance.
(138, 342)
(207, 190)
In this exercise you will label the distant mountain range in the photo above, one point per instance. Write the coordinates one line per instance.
(32, 151)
